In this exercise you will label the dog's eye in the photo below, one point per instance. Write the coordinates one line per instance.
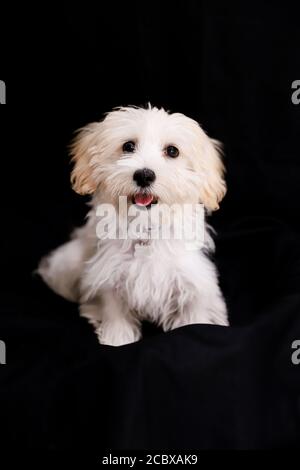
(172, 151)
(129, 147)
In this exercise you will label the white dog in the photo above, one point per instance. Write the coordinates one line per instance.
(153, 158)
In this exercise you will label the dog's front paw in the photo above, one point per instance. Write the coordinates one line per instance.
(118, 333)
(211, 312)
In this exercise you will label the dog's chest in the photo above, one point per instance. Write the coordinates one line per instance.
(146, 276)
(147, 281)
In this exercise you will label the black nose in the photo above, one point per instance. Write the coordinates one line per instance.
(144, 177)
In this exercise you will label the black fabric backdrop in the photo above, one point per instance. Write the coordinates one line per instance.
(230, 66)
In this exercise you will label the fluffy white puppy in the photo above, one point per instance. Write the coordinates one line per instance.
(152, 158)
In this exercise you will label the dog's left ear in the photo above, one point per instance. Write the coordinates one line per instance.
(211, 169)
(83, 149)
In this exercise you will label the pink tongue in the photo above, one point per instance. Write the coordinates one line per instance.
(143, 199)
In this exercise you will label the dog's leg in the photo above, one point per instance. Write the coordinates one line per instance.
(207, 309)
(61, 270)
(114, 323)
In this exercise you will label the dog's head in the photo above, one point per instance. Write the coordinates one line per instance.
(149, 156)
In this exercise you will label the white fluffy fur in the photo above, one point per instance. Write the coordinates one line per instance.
(119, 284)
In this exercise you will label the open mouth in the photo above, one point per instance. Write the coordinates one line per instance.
(144, 200)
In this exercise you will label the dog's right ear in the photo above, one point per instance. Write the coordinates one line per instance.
(83, 149)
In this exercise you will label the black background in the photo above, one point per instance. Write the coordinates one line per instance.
(230, 66)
